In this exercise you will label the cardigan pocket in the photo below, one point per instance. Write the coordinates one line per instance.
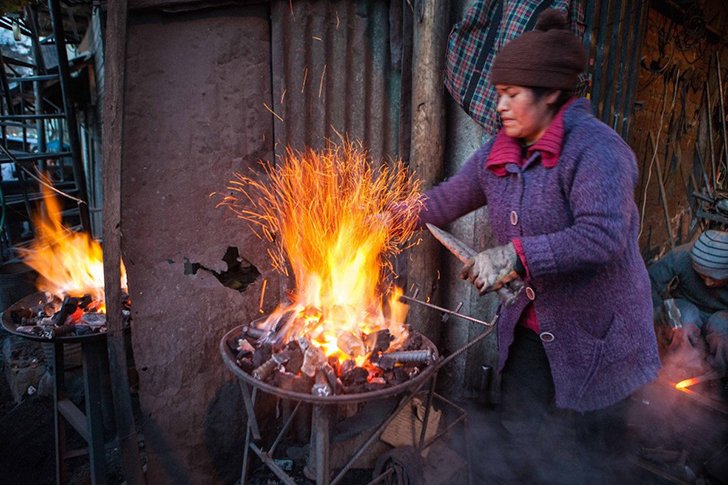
(598, 353)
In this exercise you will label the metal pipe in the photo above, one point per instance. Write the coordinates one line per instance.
(320, 428)
(406, 299)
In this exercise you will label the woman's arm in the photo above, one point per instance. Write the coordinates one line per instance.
(457, 196)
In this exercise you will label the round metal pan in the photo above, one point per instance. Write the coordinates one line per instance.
(229, 358)
(34, 300)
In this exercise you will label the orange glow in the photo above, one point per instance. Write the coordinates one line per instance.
(323, 212)
(69, 263)
(687, 383)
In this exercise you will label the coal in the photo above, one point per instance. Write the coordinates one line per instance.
(85, 301)
(379, 341)
(414, 342)
(355, 376)
(295, 362)
(321, 386)
(291, 382)
(312, 360)
(262, 355)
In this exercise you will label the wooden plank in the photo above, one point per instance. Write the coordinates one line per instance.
(427, 148)
(75, 418)
(115, 55)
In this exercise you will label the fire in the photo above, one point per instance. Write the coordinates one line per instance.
(687, 383)
(69, 263)
(323, 212)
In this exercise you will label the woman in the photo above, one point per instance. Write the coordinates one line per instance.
(559, 187)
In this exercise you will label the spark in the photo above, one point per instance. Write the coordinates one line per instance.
(262, 295)
(283, 96)
(290, 5)
(305, 75)
(317, 38)
(212, 193)
(321, 84)
(272, 112)
(337, 19)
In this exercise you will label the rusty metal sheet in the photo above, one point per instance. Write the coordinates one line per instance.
(194, 114)
(333, 74)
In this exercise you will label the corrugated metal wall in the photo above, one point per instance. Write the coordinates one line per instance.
(613, 35)
(333, 74)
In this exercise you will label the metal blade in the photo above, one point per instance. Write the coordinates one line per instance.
(453, 244)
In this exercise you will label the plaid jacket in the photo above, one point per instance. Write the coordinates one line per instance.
(474, 42)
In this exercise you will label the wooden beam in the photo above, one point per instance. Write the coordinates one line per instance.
(431, 26)
(115, 61)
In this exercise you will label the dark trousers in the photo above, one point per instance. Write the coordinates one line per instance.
(548, 445)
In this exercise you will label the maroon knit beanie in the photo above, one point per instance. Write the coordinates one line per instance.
(550, 56)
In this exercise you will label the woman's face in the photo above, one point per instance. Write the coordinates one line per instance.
(522, 114)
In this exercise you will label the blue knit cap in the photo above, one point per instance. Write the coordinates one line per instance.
(710, 254)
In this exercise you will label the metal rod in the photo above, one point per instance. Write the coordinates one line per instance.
(43, 116)
(30, 79)
(697, 397)
(250, 408)
(663, 196)
(270, 463)
(320, 425)
(633, 70)
(598, 63)
(722, 109)
(423, 433)
(246, 456)
(406, 299)
(713, 171)
(284, 430)
(382, 476)
(611, 61)
(619, 88)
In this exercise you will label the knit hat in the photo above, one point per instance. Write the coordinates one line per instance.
(548, 57)
(710, 254)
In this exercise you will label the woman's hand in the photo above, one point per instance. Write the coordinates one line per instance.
(492, 268)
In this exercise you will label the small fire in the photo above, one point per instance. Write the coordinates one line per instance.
(323, 210)
(69, 263)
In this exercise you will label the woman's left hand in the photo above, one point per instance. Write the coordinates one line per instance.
(492, 268)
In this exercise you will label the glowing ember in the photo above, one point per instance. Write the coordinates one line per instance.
(69, 263)
(687, 383)
(323, 212)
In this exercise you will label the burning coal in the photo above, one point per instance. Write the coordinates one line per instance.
(70, 265)
(323, 213)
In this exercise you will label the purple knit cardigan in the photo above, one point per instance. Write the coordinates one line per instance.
(578, 224)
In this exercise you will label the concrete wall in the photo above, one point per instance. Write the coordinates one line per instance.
(194, 114)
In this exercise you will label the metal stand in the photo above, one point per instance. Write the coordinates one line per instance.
(320, 422)
(320, 436)
(90, 425)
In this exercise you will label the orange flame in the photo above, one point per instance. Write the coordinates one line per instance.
(323, 210)
(69, 263)
(687, 383)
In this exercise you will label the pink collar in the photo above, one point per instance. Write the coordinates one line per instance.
(508, 150)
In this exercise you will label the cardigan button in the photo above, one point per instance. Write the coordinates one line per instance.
(530, 293)
(514, 218)
(547, 336)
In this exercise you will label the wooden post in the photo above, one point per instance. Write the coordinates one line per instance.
(115, 61)
(428, 147)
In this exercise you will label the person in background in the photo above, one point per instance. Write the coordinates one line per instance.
(696, 277)
(559, 186)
